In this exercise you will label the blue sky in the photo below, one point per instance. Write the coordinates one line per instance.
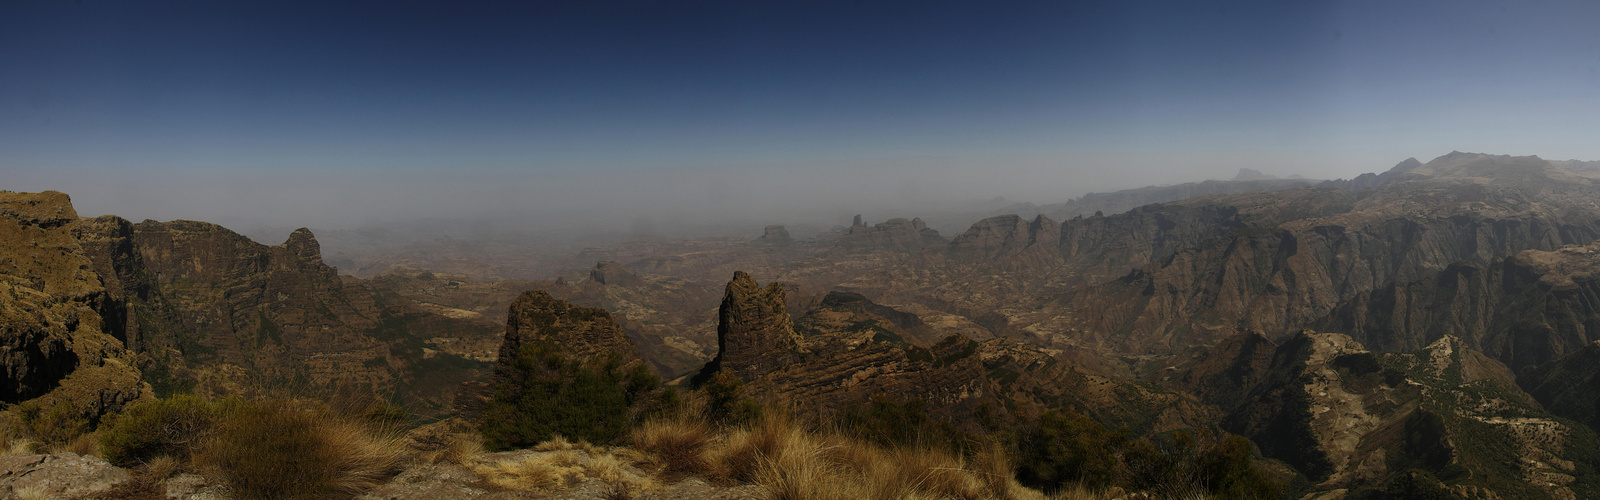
(282, 112)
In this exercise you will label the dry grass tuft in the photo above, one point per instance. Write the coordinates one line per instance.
(22, 446)
(1080, 492)
(562, 466)
(678, 445)
(460, 450)
(363, 458)
(162, 467)
(31, 493)
(794, 462)
(274, 451)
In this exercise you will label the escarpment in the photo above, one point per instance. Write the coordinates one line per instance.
(212, 312)
(1527, 309)
(58, 351)
(1351, 418)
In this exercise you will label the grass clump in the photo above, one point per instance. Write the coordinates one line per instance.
(269, 449)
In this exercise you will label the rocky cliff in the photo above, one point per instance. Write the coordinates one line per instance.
(1010, 241)
(1569, 386)
(1277, 261)
(1352, 419)
(59, 356)
(754, 333)
(213, 312)
(1527, 309)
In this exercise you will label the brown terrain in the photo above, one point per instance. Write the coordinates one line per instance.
(1435, 323)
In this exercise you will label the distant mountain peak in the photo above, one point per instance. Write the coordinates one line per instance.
(1250, 174)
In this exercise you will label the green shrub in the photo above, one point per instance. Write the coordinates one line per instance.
(550, 395)
(168, 427)
(725, 401)
(1066, 448)
(890, 423)
(56, 425)
(273, 449)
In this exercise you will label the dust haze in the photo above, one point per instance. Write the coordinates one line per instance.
(563, 209)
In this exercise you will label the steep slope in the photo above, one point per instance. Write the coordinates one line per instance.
(213, 312)
(1274, 262)
(1569, 386)
(59, 358)
(1525, 310)
(1350, 418)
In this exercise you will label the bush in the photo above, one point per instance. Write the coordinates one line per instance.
(163, 427)
(270, 453)
(726, 404)
(57, 425)
(1068, 448)
(887, 422)
(1179, 466)
(551, 395)
(279, 449)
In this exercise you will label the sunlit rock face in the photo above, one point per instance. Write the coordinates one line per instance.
(55, 350)
(211, 312)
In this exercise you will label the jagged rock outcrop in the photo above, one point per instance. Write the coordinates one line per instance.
(894, 234)
(578, 332)
(212, 312)
(851, 349)
(56, 353)
(1351, 418)
(754, 333)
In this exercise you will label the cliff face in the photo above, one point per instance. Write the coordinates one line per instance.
(1278, 261)
(1569, 386)
(212, 312)
(754, 333)
(1526, 310)
(57, 351)
(1351, 418)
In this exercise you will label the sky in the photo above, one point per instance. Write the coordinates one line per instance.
(609, 113)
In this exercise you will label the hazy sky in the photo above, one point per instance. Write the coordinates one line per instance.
(344, 113)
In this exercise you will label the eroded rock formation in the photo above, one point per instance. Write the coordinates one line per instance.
(56, 351)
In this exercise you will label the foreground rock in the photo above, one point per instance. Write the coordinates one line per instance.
(575, 474)
(66, 475)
